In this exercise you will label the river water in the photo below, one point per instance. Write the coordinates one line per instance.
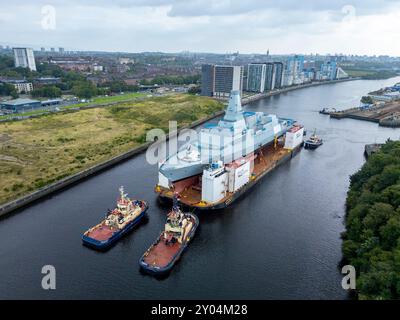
(281, 241)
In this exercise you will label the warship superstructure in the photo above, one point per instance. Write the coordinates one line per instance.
(237, 134)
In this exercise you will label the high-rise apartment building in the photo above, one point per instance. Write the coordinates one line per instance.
(294, 68)
(207, 80)
(256, 77)
(269, 77)
(264, 77)
(329, 70)
(278, 71)
(219, 80)
(228, 78)
(23, 57)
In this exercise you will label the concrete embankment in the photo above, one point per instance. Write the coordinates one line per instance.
(392, 122)
(70, 180)
(260, 96)
(348, 114)
(387, 115)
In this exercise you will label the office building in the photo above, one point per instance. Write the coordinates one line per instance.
(23, 57)
(256, 77)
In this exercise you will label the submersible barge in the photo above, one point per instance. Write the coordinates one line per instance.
(207, 182)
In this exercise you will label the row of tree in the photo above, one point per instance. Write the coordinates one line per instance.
(7, 89)
(47, 92)
(174, 80)
(371, 242)
(75, 82)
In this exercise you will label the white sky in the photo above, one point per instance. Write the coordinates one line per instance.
(248, 26)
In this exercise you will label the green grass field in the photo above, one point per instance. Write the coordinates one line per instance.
(39, 151)
(359, 73)
(109, 99)
(95, 101)
(371, 74)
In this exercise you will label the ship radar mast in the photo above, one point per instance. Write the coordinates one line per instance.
(175, 206)
(122, 193)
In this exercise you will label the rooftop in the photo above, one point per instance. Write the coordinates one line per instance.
(13, 81)
(19, 101)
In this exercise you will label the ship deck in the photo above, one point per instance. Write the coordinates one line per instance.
(265, 161)
(160, 255)
(101, 232)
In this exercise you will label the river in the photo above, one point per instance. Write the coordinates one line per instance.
(281, 241)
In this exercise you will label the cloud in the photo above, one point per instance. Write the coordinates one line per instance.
(207, 25)
(232, 7)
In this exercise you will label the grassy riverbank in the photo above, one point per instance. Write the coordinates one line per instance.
(39, 151)
(372, 238)
(369, 74)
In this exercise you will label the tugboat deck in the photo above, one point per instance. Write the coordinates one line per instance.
(161, 254)
(101, 232)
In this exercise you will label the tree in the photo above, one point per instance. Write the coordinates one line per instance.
(372, 238)
(367, 100)
(47, 92)
(390, 232)
(7, 89)
(194, 90)
(14, 94)
(84, 90)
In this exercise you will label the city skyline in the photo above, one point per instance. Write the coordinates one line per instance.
(206, 26)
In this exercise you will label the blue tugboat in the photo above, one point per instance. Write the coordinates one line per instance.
(179, 229)
(117, 223)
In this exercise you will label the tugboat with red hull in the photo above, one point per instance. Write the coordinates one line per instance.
(179, 229)
(117, 223)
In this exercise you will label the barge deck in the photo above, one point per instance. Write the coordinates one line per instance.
(266, 161)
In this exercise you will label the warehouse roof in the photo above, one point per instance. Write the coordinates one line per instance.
(20, 101)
